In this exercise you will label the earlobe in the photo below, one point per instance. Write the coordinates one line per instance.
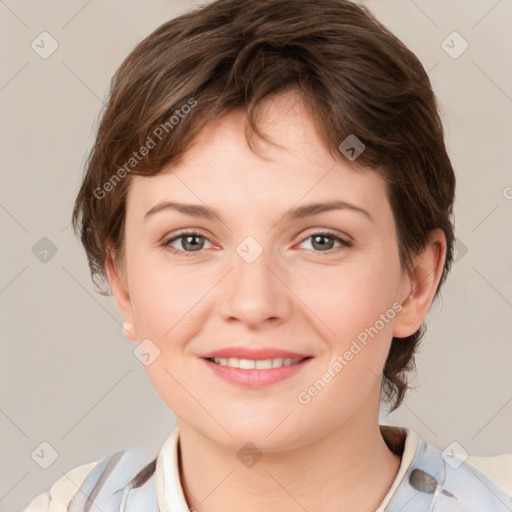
(129, 331)
(424, 281)
(118, 284)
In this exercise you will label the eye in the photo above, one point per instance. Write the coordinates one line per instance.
(323, 241)
(191, 242)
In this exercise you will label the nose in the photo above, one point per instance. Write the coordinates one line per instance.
(254, 293)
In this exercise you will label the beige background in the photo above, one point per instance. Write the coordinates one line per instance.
(67, 375)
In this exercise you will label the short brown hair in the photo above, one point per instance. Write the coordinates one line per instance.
(354, 77)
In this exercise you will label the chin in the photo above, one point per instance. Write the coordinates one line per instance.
(258, 429)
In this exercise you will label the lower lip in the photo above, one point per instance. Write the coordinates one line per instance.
(256, 378)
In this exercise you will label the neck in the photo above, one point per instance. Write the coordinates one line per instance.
(349, 468)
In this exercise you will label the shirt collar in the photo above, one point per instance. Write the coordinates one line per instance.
(170, 492)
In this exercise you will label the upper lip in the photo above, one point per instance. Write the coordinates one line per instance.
(257, 354)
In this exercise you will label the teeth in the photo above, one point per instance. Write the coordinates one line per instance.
(264, 364)
(245, 364)
(277, 362)
(251, 364)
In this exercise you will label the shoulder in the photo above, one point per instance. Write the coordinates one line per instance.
(459, 481)
(107, 482)
(436, 480)
(62, 491)
(498, 468)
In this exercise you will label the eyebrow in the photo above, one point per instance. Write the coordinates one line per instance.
(300, 212)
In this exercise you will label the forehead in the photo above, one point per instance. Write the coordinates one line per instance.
(220, 169)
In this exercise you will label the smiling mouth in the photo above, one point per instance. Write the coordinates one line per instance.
(255, 364)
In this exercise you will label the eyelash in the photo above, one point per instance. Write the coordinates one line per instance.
(166, 244)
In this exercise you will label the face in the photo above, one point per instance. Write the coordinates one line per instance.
(256, 286)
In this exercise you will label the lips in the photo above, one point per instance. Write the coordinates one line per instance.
(253, 364)
(255, 354)
(255, 367)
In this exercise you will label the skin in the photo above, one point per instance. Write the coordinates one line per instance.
(294, 296)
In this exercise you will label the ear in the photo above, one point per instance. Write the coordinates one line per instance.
(423, 281)
(116, 274)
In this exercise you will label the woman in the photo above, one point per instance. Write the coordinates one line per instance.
(270, 199)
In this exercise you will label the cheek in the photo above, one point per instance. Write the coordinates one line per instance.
(163, 300)
(357, 315)
(347, 299)
(354, 309)
(164, 296)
